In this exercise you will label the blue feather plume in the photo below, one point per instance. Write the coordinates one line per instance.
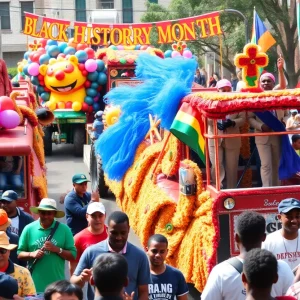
(166, 82)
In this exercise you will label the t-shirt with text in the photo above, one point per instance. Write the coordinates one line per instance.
(286, 250)
(167, 285)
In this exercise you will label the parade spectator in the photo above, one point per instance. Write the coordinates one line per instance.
(98, 125)
(63, 290)
(241, 84)
(259, 274)
(47, 257)
(8, 286)
(138, 266)
(19, 218)
(213, 80)
(21, 274)
(269, 146)
(229, 148)
(203, 77)
(234, 81)
(95, 233)
(292, 122)
(5, 83)
(296, 142)
(76, 203)
(284, 243)
(110, 276)
(13, 238)
(197, 76)
(224, 281)
(166, 281)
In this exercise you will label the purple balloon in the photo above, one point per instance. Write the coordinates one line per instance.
(187, 54)
(33, 69)
(91, 65)
(9, 119)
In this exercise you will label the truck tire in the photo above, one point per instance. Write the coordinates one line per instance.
(78, 139)
(97, 174)
(48, 140)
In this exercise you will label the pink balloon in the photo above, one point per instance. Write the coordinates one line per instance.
(9, 119)
(91, 65)
(187, 54)
(120, 47)
(175, 54)
(33, 69)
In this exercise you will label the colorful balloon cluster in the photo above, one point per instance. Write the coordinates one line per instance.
(9, 118)
(179, 49)
(93, 69)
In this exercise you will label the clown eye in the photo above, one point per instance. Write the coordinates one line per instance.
(69, 68)
(50, 72)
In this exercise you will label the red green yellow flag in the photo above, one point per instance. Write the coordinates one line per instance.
(188, 127)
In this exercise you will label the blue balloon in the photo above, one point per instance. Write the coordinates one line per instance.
(51, 42)
(89, 100)
(34, 80)
(96, 106)
(91, 92)
(40, 89)
(100, 65)
(168, 53)
(102, 78)
(94, 85)
(82, 56)
(93, 76)
(137, 47)
(62, 46)
(25, 70)
(26, 55)
(45, 96)
(53, 50)
(44, 59)
(69, 50)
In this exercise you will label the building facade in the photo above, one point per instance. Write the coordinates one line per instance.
(13, 43)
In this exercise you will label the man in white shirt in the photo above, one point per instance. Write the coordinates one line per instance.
(284, 243)
(225, 281)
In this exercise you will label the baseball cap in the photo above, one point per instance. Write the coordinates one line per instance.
(288, 204)
(94, 207)
(9, 195)
(8, 286)
(294, 111)
(223, 83)
(79, 178)
(4, 220)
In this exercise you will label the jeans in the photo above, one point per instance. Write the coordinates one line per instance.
(10, 179)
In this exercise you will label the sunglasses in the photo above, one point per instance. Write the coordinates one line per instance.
(3, 251)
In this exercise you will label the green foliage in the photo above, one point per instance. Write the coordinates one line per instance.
(12, 71)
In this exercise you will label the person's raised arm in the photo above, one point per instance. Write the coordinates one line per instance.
(281, 77)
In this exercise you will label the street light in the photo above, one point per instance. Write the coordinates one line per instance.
(234, 11)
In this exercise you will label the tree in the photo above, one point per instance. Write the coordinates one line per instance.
(281, 17)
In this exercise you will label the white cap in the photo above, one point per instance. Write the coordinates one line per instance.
(95, 206)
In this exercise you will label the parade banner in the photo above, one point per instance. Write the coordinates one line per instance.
(170, 31)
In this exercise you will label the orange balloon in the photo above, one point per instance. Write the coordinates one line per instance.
(61, 105)
(71, 43)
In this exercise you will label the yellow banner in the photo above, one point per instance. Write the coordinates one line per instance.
(171, 31)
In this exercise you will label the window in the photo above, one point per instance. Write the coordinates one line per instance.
(80, 7)
(28, 7)
(105, 4)
(153, 1)
(127, 11)
(5, 15)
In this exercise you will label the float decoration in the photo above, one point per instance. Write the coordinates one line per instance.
(9, 118)
(66, 75)
(179, 49)
(250, 61)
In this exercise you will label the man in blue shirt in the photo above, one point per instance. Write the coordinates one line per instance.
(138, 266)
(166, 281)
(76, 203)
(98, 125)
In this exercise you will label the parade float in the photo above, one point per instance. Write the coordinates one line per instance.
(22, 160)
(153, 151)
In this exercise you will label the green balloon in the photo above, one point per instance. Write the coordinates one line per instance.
(123, 61)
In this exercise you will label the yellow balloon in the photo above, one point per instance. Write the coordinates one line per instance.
(51, 105)
(61, 105)
(76, 106)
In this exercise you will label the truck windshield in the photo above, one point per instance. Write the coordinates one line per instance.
(12, 175)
